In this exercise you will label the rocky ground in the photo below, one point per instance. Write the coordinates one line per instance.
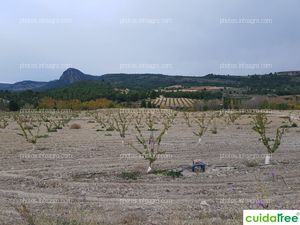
(80, 173)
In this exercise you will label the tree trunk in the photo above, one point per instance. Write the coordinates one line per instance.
(199, 140)
(149, 168)
(268, 159)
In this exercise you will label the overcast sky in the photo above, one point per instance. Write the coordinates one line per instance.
(39, 39)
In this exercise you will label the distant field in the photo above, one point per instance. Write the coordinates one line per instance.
(173, 102)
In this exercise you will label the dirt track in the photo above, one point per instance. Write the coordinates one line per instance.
(84, 175)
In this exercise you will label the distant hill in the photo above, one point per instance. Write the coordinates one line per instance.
(283, 82)
(68, 77)
(22, 86)
(4, 86)
(72, 75)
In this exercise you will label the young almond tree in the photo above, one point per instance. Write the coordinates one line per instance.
(151, 120)
(260, 122)
(202, 123)
(30, 128)
(186, 117)
(121, 124)
(100, 118)
(138, 118)
(168, 120)
(49, 123)
(214, 128)
(3, 121)
(63, 119)
(104, 119)
(149, 148)
(292, 120)
(232, 117)
(110, 122)
(55, 121)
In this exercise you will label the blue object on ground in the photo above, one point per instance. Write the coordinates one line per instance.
(200, 165)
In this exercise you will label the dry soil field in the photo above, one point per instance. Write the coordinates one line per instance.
(88, 175)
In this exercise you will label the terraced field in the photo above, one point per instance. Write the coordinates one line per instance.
(163, 102)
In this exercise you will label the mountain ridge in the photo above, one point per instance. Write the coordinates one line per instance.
(72, 75)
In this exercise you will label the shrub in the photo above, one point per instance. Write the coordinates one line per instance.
(26, 215)
(75, 126)
(294, 125)
(168, 173)
(50, 103)
(130, 175)
(251, 163)
(13, 106)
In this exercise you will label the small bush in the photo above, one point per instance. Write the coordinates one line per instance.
(52, 130)
(214, 131)
(75, 126)
(152, 129)
(168, 173)
(294, 125)
(251, 163)
(43, 136)
(289, 126)
(26, 215)
(130, 175)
